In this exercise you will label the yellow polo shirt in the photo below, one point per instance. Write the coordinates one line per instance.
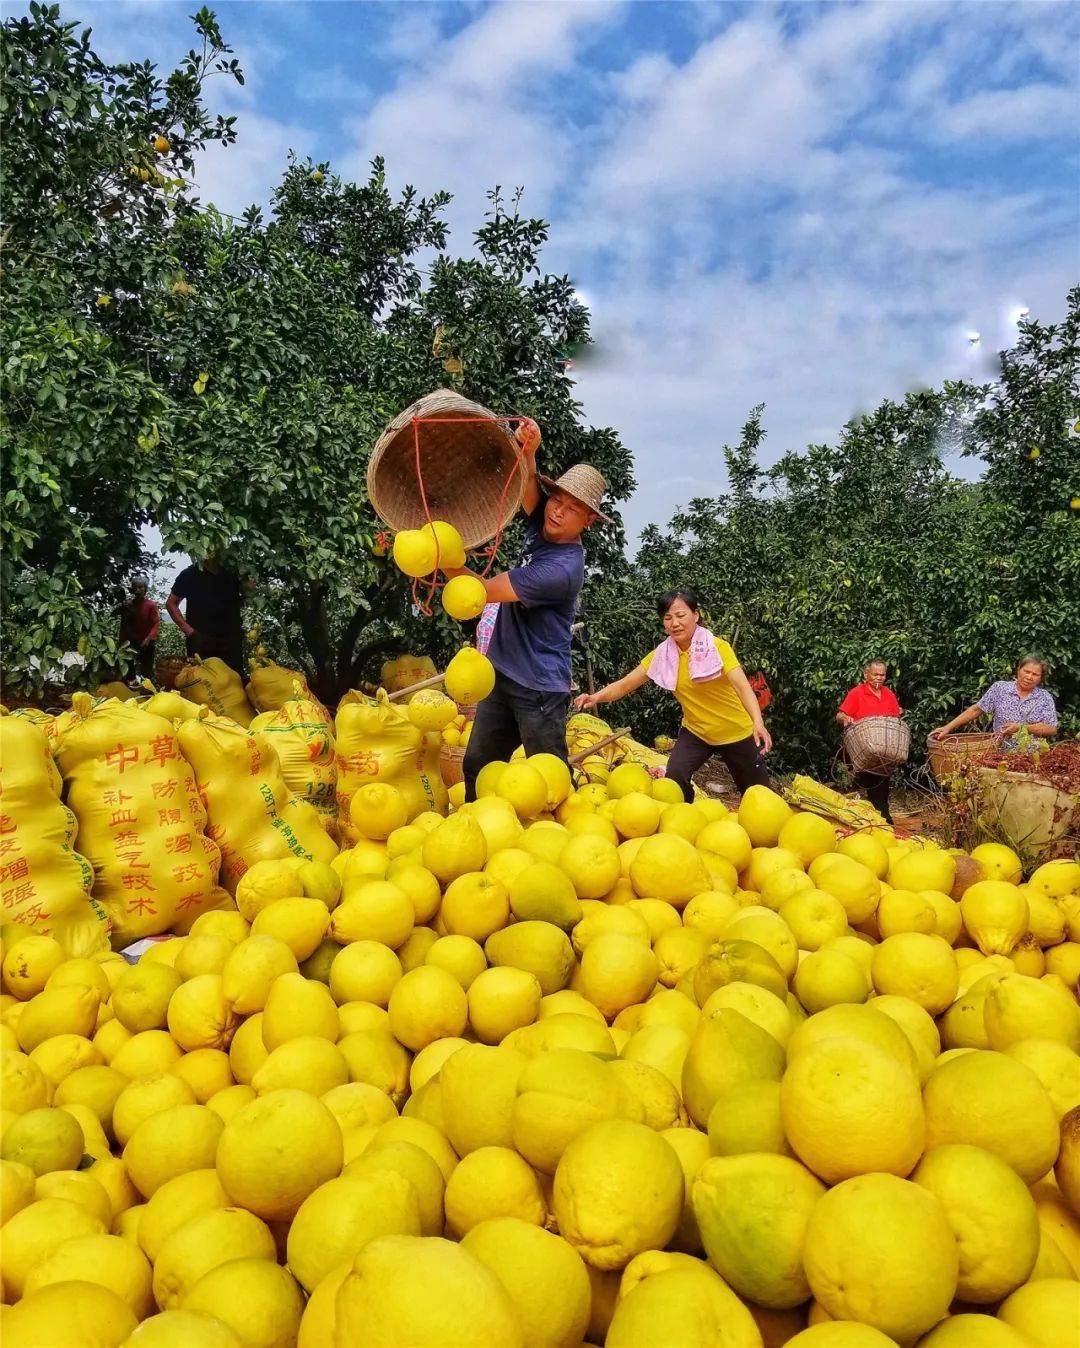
(712, 711)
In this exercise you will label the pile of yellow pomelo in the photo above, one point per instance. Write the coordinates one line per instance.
(567, 1067)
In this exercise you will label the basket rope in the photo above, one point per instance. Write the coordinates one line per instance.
(431, 584)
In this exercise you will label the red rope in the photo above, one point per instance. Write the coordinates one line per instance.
(423, 604)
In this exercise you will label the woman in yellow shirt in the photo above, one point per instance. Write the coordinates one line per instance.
(720, 712)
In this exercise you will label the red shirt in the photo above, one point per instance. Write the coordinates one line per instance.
(862, 701)
(139, 621)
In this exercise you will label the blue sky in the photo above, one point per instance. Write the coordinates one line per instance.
(807, 205)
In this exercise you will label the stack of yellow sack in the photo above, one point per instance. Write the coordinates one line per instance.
(44, 882)
(303, 734)
(405, 670)
(140, 818)
(376, 742)
(171, 706)
(211, 683)
(271, 686)
(250, 814)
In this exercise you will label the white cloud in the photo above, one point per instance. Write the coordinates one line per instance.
(1013, 114)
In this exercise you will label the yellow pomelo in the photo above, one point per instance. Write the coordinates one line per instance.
(599, 1202)
(171, 1143)
(972, 1331)
(761, 1260)
(667, 867)
(498, 822)
(43, 1139)
(16, 1188)
(992, 1215)
(628, 777)
(464, 597)
(375, 910)
(865, 848)
(678, 952)
(747, 1118)
(902, 910)
(146, 1096)
(814, 917)
(49, 1315)
(995, 915)
(276, 1151)
(710, 913)
(727, 1049)
(556, 773)
(106, 1261)
(178, 1201)
(683, 818)
(491, 1183)
(64, 1010)
(1045, 1313)
(918, 1025)
(475, 905)
(737, 960)
(377, 809)
(543, 1275)
(540, 948)
(1058, 878)
(28, 965)
(998, 862)
(879, 1250)
(762, 813)
(76, 1186)
(919, 967)
(416, 551)
(808, 836)
(857, 888)
(922, 868)
(1018, 1008)
(829, 978)
(263, 883)
(423, 1291)
(258, 1300)
(203, 1242)
(460, 956)
(33, 1233)
(253, 965)
(542, 892)
(427, 1004)
(306, 1063)
(850, 1108)
(339, 1217)
(207, 1071)
(501, 1000)
(963, 1101)
(616, 971)
(687, 1304)
(470, 676)
(636, 815)
(365, 971)
(454, 848)
(767, 929)
(199, 1016)
(1056, 1066)
(591, 863)
(560, 1094)
(525, 788)
(728, 839)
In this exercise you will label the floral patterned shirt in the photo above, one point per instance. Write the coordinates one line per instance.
(1005, 704)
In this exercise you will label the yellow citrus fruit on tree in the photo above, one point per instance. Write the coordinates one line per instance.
(879, 1250)
(464, 597)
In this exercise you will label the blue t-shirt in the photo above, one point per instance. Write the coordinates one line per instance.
(531, 640)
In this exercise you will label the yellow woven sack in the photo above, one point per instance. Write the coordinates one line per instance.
(44, 882)
(140, 818)
(303, 735)
(376, 742)
(114, 688)
(211, 683)
(405, 670)
(251, 815)
(271, 686)
(32, 714)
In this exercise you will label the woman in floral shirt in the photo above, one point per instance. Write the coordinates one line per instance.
(1013, 703)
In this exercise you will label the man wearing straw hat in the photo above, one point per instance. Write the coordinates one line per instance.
(530, 643)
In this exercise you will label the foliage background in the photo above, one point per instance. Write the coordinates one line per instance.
(223, 379)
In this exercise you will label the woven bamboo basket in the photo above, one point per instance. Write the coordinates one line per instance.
(468, 460)
(946, 755)
(452, 764)
(1029, 812)
(877, 744)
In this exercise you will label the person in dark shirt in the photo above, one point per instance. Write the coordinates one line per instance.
(530, 643)
(212, 624)
(139, 624)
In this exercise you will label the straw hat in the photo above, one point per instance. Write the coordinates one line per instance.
(585, 484)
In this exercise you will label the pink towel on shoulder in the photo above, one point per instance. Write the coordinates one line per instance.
(705, 662)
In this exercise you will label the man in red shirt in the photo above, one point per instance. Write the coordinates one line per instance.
(871, 698)
(139, 623)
